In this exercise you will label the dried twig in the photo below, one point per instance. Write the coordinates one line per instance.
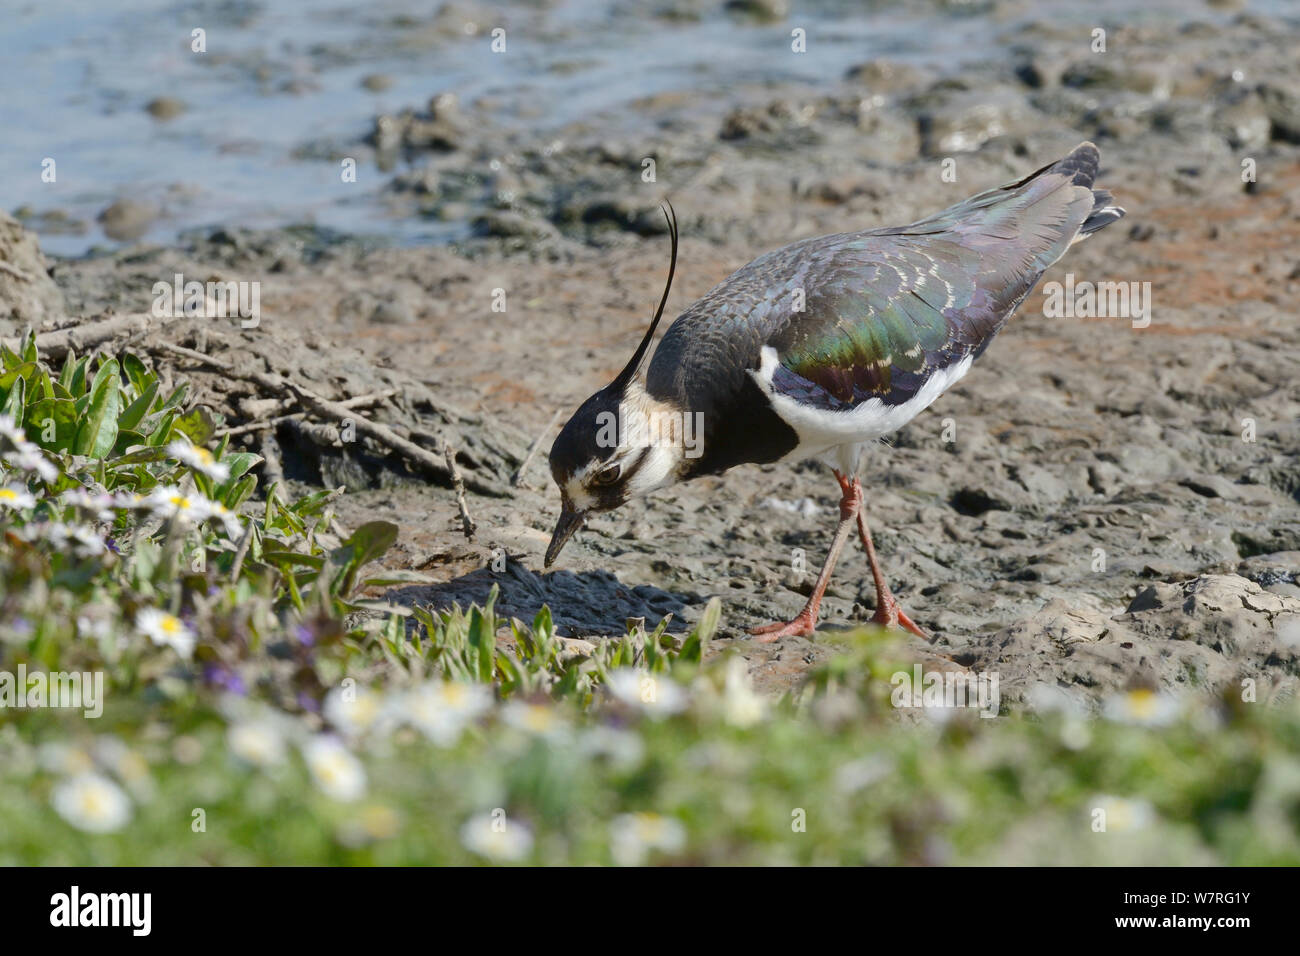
(457, 483)
(360, 401)
(377, 432)
(517, 478)
(87, 335)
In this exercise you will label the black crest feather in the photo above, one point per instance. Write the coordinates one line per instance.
(630, 370)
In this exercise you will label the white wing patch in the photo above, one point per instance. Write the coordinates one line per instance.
(820, 429)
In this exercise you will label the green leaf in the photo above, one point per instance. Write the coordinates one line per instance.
(14, 402)
(69, 366)
(280, 557)
(9, 359)
(77, 384)
(693, 646)
(197, 425)
(483, 640)
(28, 348)
(162, 431)
(366, 544)
(177, 396)
(371, 540)
(108, 371)
(98, 431)
(238, 494)
(63, 413)
(239, 462)
(136, 410)
(137, 374)
(12, 373)
(126, 438)
(142, 456)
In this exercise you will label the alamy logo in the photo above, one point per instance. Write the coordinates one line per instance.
(946, 689)
(211, 300)
(60, 689)
(134, 910)
(683, 430)
(1100, 300)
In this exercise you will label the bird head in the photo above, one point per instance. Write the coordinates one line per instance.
(612, 449)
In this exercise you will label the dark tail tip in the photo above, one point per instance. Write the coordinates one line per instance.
(1080, 165)
(1104, 212)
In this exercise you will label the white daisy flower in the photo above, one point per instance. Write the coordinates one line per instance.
(494, 836)
(537, 719)
(622, 748)
(92, 802)
(652, 694)
(741, 707)
(257, 742)
(165, 630)
(633, 836)
(337, 773)
(16, 497)
(200, 459)
(1143, 708)
(171, 502)
(82, 540)
(353, 710)
(862, 773)
(229, 520)
(62, 758)
(29, 457)
(113, 754)
(94, 627)
(99, 506)
(441, 710)
(132, 500)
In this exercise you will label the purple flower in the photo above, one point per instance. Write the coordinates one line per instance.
(217, 675)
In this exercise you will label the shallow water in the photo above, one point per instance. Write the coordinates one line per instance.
(278, 94)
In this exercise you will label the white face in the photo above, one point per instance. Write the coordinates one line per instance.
(635, 469)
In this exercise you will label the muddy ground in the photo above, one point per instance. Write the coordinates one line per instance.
(1117, 504)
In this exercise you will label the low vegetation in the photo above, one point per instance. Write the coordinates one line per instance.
(262, 703)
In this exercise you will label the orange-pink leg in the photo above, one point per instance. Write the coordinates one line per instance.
(888, 613)
(806, 622)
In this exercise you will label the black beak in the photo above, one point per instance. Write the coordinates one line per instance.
(570, 521)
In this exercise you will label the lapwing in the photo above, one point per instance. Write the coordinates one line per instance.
(820, 349)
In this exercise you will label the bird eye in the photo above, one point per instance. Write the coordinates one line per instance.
(607, 476)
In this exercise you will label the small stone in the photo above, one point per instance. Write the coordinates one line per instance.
(392, 312)
(514, 225)
(127, 219)
(165, 108)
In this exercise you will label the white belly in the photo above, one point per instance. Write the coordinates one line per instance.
(821, 430)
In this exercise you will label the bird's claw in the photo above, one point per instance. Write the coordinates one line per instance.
(802, 626)
(891, 615)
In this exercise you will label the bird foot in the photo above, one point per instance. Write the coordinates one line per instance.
(802, 626)
(889, 614)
